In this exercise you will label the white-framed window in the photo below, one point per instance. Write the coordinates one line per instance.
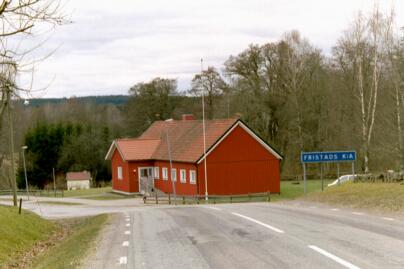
(192, 176)
(164, 171)
(156, 172)
(120, 176)
(183, 176)
(174, 174)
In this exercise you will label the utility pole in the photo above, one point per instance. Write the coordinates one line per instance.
(54, 181)
(171, 162)
(204, 134)
(10, 124)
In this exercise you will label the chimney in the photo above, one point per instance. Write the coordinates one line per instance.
(188, 117)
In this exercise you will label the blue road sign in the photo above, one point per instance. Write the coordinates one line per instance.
(328, 156)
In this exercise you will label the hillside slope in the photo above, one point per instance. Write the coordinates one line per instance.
(20, 232)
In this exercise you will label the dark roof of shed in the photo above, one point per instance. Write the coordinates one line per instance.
(84, 175)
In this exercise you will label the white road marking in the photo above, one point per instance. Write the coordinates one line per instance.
(125, 243)
(335, 209)
(391, 219)
(127, 219)
(312, 206)
(123, 260)
(214, 208)
(127, 232)
(127, 224)
(333, 257)
(358, 213)
(259, 222)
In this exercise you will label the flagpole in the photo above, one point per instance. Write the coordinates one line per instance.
(204, 134)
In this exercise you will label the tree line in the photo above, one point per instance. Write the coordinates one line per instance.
(300, 99)
(292, 94)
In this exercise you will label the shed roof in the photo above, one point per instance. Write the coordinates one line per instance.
(84, 175)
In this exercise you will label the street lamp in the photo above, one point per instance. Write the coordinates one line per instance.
(25, 169)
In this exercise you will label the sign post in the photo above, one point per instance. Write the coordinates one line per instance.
(321, 177)
(326, 157)
(304, 177)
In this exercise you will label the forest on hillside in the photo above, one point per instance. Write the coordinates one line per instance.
(292, 94)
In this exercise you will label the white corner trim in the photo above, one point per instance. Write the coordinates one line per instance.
(265, 145)
(251, 133)
(111, 150)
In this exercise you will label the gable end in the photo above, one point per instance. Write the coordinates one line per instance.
(250, 132)
(112, 148)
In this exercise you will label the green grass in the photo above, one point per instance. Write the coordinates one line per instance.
(70, 252)
(295, 189)
(93, 191)
(18, 233)
(372, 196)
(110, 196)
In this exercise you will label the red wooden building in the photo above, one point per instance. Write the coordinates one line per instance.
(238, 161)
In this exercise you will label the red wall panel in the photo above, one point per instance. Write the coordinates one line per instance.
(180, 188)
(240, 165)
(119, 185)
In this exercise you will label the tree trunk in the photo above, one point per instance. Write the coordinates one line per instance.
(399, 130)
(365, 147)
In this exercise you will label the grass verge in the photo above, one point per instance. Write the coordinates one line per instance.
(373, 196)
(19, 233)
(59, 203)
(70, 253)
(28, 241)
(295, 189)
(93, 191)
(110, 196)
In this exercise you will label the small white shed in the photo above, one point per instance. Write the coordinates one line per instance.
(78, 180)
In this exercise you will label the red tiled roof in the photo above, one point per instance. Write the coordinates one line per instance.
(78, 175)
(137, 149)
(185, 137)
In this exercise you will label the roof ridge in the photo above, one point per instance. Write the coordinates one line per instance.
(134, 138)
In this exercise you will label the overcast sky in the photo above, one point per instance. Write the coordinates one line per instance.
(112, 45)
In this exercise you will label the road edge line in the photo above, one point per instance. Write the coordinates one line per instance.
(259, 222)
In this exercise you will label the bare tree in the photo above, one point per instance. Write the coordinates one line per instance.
(363, 50)
(212, 84)
(19, 18)
(394, 71)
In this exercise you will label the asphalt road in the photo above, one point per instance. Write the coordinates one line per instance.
(255, 235)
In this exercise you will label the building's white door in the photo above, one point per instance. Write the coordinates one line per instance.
(146, 180)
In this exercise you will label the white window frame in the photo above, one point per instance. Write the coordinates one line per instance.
(174, 174)
(183, 176)
(192, 176)
(164, 172)
(119, 173)
(156, 172)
